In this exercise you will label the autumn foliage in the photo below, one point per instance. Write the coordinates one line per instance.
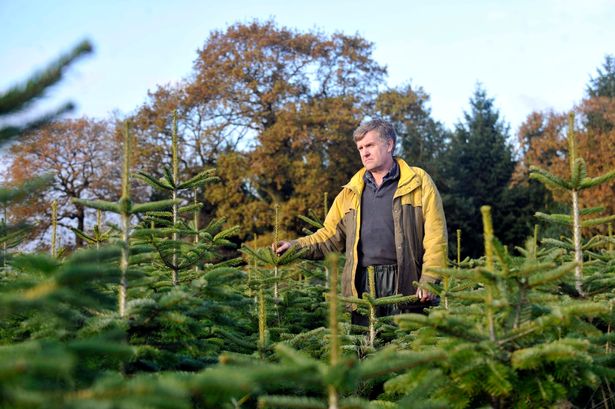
(273, 109)
(543, 141)
(82, 156)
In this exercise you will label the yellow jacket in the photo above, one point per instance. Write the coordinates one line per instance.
(420, 229)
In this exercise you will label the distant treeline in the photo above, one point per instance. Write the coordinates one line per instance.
(273, 110)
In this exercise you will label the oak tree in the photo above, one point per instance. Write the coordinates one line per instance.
(80, 153)
(274, 109)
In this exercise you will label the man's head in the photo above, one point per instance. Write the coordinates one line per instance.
(383, 128)
(376, 142)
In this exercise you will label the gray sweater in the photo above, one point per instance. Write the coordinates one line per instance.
(377, 236)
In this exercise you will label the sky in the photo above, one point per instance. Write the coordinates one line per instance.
(528, 54)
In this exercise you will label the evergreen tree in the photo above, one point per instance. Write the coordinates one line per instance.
(603, 85)
(17, 101)
(20, 98)
(125, 208)
(512, 339)
(477, 169)
(44, 302)
(578, 181)
(185, 311)
(177, 254)
(600, 102)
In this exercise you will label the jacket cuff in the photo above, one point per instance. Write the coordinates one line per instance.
(429, 278)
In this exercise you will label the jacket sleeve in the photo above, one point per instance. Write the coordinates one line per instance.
(330, 238)
(435, 240)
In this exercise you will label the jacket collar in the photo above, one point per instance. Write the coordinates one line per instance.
(408, 180)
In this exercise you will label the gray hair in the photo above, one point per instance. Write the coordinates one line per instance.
(384, 128)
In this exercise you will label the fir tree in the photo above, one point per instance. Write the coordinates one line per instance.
(511, 338)
(18, 100)
(125, 208)
(578, 181)
(176, 254)
(603, 85)
(297, 380)
(21, 97)
(266, 276)
(98, 235)
(477, 169)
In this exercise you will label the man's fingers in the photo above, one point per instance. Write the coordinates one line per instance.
(280, 247)
(424, 295)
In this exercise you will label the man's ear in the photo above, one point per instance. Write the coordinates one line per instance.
(390, 145)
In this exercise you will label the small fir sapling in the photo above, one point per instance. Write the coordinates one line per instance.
(125, 208)
(175, 253)
(577, 181)
(511, 332)
(98, 235)
(264, 265)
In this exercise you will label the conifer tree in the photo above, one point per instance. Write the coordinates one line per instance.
(184, 310)
(18, 100)
(266, 276)
(477, 168)
(578, 181)
(371, 302)
(603, 85)
(98, 235)
(125, 208)
(43, 305)
(511, 338)
(297, 380)
(13, 234)
(176, 254)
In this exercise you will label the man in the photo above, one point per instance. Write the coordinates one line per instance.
(388, 216)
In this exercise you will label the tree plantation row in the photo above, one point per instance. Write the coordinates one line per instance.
(171, 296)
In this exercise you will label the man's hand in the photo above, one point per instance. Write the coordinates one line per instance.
(280, 247)
(424, 295)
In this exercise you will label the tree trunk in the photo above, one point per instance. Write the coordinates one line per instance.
(578, 253)
(80, 226)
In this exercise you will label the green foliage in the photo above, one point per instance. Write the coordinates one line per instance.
(17, 100)
(477, 167)
(603, 85)
(268, 257)
(22, 96)
(536, 339)
(510, 331)
(578, 181)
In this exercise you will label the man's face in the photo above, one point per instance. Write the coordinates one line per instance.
(376, 154)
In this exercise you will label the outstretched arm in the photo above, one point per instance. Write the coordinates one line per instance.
(328, 239)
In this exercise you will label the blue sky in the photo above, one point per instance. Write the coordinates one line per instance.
(529, 55)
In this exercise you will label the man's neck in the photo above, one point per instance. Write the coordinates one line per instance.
(379, 174)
